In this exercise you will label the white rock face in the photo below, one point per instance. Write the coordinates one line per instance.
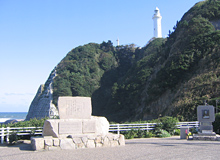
(42, 105)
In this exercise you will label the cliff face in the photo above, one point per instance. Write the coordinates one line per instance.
(42, 105)
(169, 76)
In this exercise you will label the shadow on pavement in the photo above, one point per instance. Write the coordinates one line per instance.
(25, 146)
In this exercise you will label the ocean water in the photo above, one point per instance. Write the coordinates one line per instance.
(4, 116)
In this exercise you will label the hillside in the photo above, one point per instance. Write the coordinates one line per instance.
(169, 76)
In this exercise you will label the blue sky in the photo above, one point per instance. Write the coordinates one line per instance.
(36, 34)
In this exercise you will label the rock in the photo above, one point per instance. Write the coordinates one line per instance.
(42, 105)
(97, 145)
(67, 144)
(51, 128)
(56, 142)
(115, 136)
(77, 140)
(121, 140)
(102, 125)
(37, 143)
(98, 139)
(114, 143)
(91, 136)
(106, 142)
(80, 145)
(90, 144)
(84, 140)
(48, 141)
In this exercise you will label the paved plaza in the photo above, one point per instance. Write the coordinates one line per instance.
(135, 149)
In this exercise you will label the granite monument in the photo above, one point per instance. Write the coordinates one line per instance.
(76, 128)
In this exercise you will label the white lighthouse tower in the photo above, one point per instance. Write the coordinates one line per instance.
(157, 23)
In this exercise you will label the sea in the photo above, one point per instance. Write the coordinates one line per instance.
(4, 116)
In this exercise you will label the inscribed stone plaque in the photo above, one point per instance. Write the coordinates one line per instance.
(207, 131)
(89, 126)
(205, 113)
(74, 107)
(74, 127)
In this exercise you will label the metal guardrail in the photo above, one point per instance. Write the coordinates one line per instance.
(5, 132)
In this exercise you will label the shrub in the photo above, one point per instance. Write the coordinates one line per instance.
(140, 134)
(137, 134)
(216, 124)
(31, 123)
(162, 134)
(149, 134)
(13, 138)
(193, 130)
(130, 134)
(168, 124)
(177, 132)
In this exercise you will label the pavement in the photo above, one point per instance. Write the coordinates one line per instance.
(135, 149)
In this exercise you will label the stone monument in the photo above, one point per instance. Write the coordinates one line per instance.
(76, 128)
(205, 116)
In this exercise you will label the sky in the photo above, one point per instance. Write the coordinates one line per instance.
(35, 35)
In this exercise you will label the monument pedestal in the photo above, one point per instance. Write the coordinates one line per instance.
(77, 142)
(205, 137)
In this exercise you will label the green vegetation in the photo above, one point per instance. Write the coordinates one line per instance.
(165, 127)
(31, 123)
(13, 138)
(79, 73)
(162, 134)
(167, 77)
(208, 9)
(137, 134)
(166, 123)
(216, 124)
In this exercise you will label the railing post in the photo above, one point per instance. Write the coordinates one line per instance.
(118, 131)
(2, 135)
(7, 134)
(147, 127)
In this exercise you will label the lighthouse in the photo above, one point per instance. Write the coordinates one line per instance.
(157, 23)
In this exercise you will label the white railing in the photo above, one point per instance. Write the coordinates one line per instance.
(126, 127)
(190, 124)
(146, 126)
(5, 132)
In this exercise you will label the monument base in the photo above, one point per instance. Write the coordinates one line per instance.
(206, 137)
(72, 142)
(61, 128)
